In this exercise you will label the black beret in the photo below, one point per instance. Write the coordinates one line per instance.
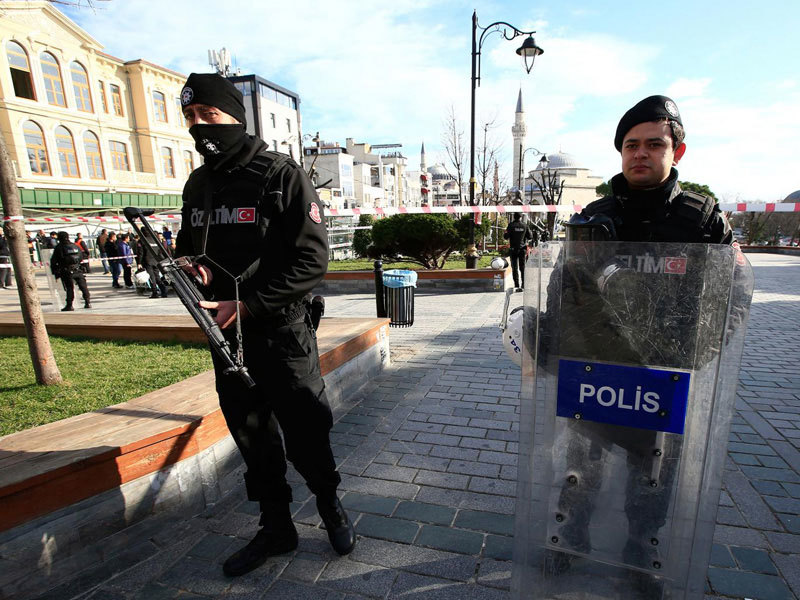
(214, 90)
(652, 108)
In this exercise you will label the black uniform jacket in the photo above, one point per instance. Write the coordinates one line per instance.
(662, 214)
(275, 238)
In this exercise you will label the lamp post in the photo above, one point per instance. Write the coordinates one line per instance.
(521, 163)
(528, 51)
(543, 162)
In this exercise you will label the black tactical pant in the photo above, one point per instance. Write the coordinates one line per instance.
(284, 362)
(68, 280)
(517, 258)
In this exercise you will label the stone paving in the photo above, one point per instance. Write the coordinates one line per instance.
(428, 458)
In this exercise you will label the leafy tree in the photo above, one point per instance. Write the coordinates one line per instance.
(462, 227)
(362, 238)
(698, 188)
(424, 239)
(604, 189)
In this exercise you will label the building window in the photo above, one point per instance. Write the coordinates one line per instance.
(119, 156)
(94, 162)
(66, 152)
(289, 125)
(160, 107)
(101, 91)
(272, 118)
(188, 161)
(181, 118)
(20, 71)
(80, 86)
(53, 84)
(166, 159)
(275, 145)
(116, 99)
(37, 151)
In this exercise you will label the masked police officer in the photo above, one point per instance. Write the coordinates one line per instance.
(66, 265)
(646, 203)
(255, 224)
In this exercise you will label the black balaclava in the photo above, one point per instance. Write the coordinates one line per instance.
(216, 142)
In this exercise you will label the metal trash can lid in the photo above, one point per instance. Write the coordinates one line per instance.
(398, 278)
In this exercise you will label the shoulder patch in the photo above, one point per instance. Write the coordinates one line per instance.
(314, 213)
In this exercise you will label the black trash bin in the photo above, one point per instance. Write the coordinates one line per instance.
(399, 287)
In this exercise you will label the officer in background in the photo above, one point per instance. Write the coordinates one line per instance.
(256, 216)
(518, 235)
(5, 262)
(66, 265)
(646, 203)
(148, 261)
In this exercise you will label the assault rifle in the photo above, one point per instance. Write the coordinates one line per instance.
(186, 289)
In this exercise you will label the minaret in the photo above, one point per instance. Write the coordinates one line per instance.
(519, 130)
(422, 166)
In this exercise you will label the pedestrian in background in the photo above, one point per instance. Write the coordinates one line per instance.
(126, 259)
(101, 248)
(81, 243)
(112, 253)
(5, 262)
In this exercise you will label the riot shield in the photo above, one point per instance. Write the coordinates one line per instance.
(630, 363)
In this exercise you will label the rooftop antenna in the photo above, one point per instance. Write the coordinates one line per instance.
(221, 61)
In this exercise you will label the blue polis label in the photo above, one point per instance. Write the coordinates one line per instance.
(637, 397)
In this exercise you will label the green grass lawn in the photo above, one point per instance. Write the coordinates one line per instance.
(367, 264)
(96, 374)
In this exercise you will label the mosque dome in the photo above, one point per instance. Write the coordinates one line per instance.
(793, 197)
(560, 160)
(438, 172)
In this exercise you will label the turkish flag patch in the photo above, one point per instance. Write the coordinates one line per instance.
(675, 265)
(314, 213)
(246, 215)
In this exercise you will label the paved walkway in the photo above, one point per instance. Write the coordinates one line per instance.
(428, 461)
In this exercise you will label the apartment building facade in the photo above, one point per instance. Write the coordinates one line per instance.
(85, 130)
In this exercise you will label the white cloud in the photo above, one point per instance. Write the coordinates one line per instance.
(388, 73)
(688, 88)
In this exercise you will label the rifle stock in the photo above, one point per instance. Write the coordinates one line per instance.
(186, 289)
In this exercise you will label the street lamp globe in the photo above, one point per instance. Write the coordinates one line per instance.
(543, 162)
(529, 51)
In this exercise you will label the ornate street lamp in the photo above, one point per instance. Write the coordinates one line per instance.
(520, 177)
(528, 51)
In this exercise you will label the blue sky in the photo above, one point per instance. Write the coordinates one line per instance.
(389, 72)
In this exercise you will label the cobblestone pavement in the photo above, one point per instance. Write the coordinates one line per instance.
(428, 459)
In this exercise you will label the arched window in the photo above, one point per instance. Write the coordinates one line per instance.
(94, 162)
(166, 159)
(66, 152)
(37, 151)
(188, 161)
(160, 107)
(119, 156)
(80, 86)
(52, 79)
(20, 71)
(101, 91)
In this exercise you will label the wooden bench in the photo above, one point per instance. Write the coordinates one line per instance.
(59, 464)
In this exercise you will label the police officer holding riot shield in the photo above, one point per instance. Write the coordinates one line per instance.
(597, 310)
(66, 265)
(255, 229)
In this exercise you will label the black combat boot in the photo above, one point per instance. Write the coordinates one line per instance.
(68, 307)
(276, 536)
(87, 304)
(340, 531)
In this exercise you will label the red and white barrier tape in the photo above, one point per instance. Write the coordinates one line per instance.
(354, 212)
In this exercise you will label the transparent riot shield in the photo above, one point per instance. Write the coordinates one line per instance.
(630, 363)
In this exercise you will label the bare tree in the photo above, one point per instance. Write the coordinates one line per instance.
(44, 363)
(488, 153)
(455, 146)
(551, 187)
